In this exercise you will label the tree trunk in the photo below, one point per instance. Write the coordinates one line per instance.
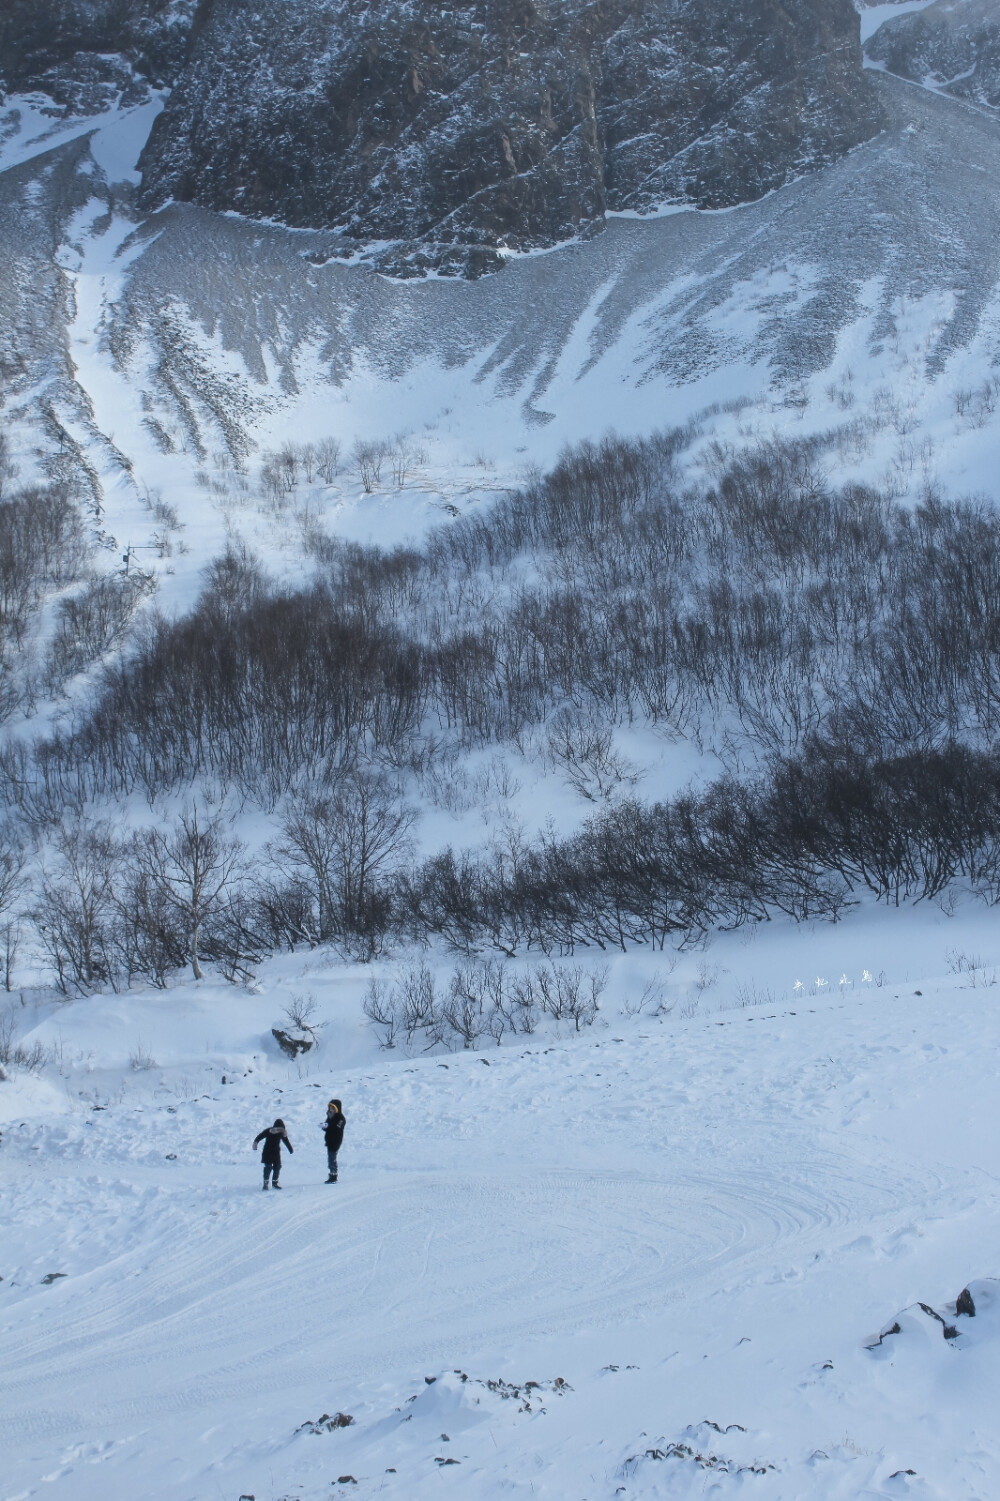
(195, 966)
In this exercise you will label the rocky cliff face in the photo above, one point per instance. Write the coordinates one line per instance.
(90, 54)
(955, 46)
(457, 131)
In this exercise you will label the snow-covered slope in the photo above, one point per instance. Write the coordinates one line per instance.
(952, 47)
(864, 299)
(688, 1234)
(721, 1232)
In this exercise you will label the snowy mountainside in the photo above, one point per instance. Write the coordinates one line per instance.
(83, 57)
(197, 334)
(952, 47)
(458, 133)
(702, 1198)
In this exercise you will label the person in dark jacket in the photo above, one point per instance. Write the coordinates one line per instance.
(333, 1135)
(272, 1137)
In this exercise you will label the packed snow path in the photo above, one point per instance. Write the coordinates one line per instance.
(725, 1203)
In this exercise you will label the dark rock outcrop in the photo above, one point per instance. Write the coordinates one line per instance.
(88, 55)
(956, 47)
(292, 1043)
(458, 132)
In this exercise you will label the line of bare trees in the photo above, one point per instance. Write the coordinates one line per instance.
(42, 547)
(750, 615)
(805, 841)
(108, 910)
(840, 653)
(483, 999)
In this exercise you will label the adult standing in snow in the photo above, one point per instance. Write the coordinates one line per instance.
(272, 1137)
(333, 1135)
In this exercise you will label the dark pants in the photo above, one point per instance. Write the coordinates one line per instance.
(331, 1160)
(269, 1168)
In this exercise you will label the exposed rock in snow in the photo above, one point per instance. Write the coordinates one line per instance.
(954, 47)
(88, 55)
(459, 133)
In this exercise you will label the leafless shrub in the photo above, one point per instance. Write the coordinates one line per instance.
(750, 994)
(369, 455)
(464, 1012)
(416, 1001)
(328, 459)
(385, 1013)
(980, 974)
(300, 1013)
(13, 1054)
(652, 999)
(92, 622)
(571, 993)
(523, 1003)
(140, 1059)
(584, 750)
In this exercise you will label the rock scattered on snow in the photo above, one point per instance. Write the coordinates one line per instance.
(327, 1423)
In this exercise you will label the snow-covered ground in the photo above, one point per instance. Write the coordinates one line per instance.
(688, 1230)
(686, 1235)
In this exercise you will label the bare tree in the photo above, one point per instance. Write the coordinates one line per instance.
(384, 1010)
(369, 455)
(309, 848)
(193, 865)
(75, 912)
(13, 885)
(404, 454)
(328, 459)
(307, 458)
(342, 839)
(8, 469)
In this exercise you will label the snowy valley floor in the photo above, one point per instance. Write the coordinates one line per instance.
(685, 1231)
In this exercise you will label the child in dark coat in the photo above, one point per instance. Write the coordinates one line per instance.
(272, 1137)
(333, 1135)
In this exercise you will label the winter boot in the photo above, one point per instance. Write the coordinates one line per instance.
(331, 1179)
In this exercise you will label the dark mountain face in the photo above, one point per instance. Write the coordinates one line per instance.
(457, 131)
(89, 54)
(955, 46)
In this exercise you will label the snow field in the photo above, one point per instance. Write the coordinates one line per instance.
(685, 1230)
(726, 1203)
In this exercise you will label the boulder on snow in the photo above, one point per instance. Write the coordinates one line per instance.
(292, 1043)
(326, 1424)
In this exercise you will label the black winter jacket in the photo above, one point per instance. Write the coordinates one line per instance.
(272, 1137)
(333, 1130)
